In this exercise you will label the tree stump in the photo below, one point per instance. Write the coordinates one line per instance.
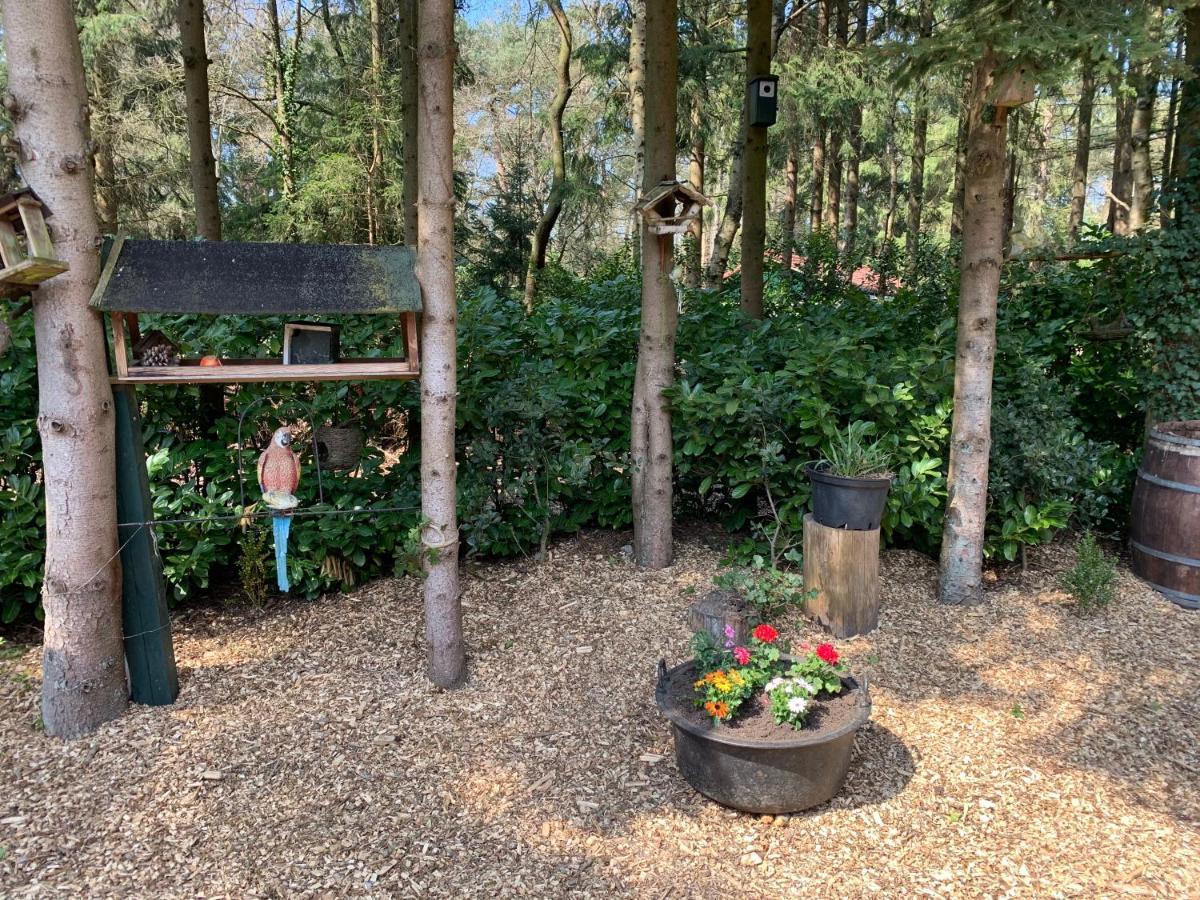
(843, 567)
(715, 610)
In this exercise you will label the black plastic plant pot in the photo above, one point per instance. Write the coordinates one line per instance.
(792, 773)
(853, 503)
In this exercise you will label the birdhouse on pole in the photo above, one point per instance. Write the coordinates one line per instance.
(30, 261)
(670, 207)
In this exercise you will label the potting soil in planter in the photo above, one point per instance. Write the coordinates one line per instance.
(754, 721)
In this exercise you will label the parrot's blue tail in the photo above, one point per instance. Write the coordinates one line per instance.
(282, 526)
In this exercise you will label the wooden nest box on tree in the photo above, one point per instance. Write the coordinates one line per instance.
(1014, 86)
(671, 207)
(26, 266)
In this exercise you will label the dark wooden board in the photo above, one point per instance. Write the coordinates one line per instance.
(221, 278)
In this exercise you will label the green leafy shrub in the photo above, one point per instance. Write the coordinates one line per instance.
(1090, 580)
(770, 591)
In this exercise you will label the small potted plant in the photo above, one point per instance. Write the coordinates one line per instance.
(850, 485)
(760, 730)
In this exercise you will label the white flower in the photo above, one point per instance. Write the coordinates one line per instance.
(807, 686)
(773, 684)
(797, 705)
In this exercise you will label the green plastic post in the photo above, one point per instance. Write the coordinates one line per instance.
(153, 678)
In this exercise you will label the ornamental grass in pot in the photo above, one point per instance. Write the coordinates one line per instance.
(850, 485)
(759, 729)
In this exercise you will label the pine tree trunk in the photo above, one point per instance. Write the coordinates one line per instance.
(435, 270)
(830, 216)
(558, 157)
(102, 78)
(1142, 174)
(960, 162)
(754, 212)
(375, 166)
(850, 219)
(1083, 150)
(651, 447)
(694, 270)
(916, 178)
(190, 16)
(982, 257)
(893, 167)
(637, 107)
(406, 34)
(816, 195)
(284, 61)
(1186, 159)
(1012, 175)
(1168, 160)
(731, 216)
(791, 191)
(83, 658)
(1121, 186)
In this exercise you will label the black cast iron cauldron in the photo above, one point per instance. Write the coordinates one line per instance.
(764, 777)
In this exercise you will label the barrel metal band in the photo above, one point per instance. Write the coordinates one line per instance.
(1162, 554)
(1173, 485)
(1188, 601)
(1173, 439)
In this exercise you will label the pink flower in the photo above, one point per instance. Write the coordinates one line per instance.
(742, 655)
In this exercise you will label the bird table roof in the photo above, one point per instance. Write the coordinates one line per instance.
(221, 278)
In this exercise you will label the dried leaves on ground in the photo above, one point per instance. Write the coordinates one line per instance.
(1016, 749)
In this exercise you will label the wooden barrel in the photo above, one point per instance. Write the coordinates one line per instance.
(1165, 522)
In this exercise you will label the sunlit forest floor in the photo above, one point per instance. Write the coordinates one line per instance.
(1015, 749)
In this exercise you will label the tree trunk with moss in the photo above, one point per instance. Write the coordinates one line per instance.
(754, 211)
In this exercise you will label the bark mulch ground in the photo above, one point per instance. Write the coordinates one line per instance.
(1016, 750)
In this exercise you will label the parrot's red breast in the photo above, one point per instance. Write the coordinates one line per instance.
(279, 469)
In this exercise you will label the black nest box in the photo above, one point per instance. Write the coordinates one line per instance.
(763, 100)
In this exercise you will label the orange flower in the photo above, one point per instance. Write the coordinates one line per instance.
(720, 709)
(711, 708)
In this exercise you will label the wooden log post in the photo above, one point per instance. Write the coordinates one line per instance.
(842, 566)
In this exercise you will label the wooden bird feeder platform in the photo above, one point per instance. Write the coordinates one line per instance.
(671, 207)
(252, 279)
(23, 215)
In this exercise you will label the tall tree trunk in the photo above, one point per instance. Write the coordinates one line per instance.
(637, 105)
(83, 658)
(754, 213)
(816, 197)
(100, 81)
(893, 166)
(375, 166)
(916, 178)
(1121, 186)
(650, 442)
(1140, 125)
(285, 60)
(694, 270)
(850, 220)
(190, 14)
(1083, 150)
(1186, 159)
(1168, 164)
(833, 164)
(791, 180)
(982, 256)
(406, 34)
(960, 161)
(435, 271)
(1012, 175)
(731, 216)
(558, 157)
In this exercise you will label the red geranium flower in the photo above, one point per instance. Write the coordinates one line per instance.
(826, 653)
(765, 633)
(742, 655)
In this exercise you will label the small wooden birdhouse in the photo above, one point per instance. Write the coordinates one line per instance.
(670, 207)
(23, 214)
(1014, 86)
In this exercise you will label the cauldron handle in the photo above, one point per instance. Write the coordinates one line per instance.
(864, 698)
(660, 672)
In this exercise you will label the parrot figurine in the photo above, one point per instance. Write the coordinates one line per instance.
(278, 477)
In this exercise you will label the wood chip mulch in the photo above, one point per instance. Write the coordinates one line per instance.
(1015, 750)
